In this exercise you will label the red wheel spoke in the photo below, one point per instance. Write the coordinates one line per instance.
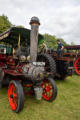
(50, 93)
(14, 95)
(15, 103)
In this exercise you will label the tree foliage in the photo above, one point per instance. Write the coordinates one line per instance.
(20, 26)
(72, 43)
(51, 41)
(4, 23)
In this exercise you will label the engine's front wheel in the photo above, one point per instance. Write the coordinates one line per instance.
(49, 89)
(16, 96)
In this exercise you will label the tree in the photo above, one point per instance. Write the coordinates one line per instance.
(72, 43)
(20, 26)
(51, 41)
(4, 23)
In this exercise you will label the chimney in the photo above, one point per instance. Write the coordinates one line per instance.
(34, 38)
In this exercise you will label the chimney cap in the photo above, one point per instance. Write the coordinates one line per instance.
(34, 20)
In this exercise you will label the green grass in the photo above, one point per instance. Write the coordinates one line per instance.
(65, 107)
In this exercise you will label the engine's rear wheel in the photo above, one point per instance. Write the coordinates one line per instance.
(16, 96)
(77, 66)
(49, 89)
(50, 64)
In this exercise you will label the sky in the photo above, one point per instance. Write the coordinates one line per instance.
(57, 17)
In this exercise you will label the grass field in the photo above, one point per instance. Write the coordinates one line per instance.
(65, 107)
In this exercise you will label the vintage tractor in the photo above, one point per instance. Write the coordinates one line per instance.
(59, 67)
(63, 66)
(22, 72)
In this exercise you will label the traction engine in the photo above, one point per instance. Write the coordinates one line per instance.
(26, 75)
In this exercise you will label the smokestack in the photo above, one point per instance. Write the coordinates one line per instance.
(34, 38)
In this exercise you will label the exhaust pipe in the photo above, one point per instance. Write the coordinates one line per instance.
(34, 38)
(33, 55)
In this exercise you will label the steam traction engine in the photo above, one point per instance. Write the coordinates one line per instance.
(60, 68)
(20, 72)
(63, 66)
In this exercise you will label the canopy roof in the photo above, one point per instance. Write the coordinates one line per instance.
(11, 36)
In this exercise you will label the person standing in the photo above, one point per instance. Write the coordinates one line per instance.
(60, 48)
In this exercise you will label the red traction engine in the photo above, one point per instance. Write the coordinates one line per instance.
(24, 76)
(76, 55)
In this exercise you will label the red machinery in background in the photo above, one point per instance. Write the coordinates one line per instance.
(62, 66)
(75, 51)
